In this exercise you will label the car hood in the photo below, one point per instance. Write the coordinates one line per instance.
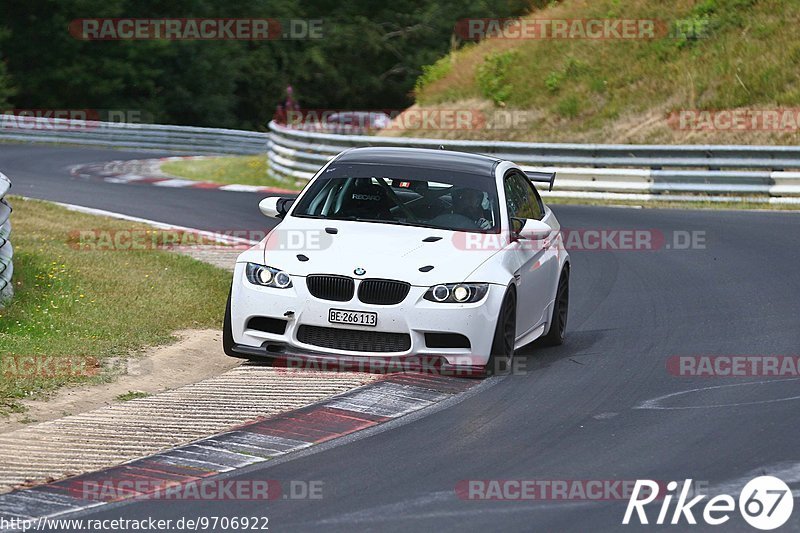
(381, 250)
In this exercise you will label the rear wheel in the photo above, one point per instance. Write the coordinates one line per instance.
(558, 322)
(504, 336)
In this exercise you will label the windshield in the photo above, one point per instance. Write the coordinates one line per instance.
(403, 195)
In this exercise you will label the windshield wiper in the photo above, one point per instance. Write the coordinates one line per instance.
(398, 223)
(353, 218)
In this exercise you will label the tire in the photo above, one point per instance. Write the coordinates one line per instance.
(227, 331)
(504, 335)
(558, 322)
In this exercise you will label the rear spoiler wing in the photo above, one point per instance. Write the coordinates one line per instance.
(542, 177)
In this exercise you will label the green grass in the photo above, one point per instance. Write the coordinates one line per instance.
(131, 395)
(242, 170)
(77, 314)
(717, 54)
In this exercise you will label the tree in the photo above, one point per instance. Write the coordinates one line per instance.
(369, 57)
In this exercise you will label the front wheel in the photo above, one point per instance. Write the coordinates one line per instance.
(558, 322)
(227, 330)
(504, 336)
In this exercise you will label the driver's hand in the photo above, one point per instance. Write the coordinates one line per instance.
(483, 223)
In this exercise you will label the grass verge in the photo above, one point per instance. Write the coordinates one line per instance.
(77, 315)
(242, 170)
(712, 55)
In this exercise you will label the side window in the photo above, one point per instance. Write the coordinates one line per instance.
(513, 199)
(538, 207)
(521, 198)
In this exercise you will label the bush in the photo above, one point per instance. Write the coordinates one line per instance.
(569, 107)
(553, 82)
(433, 73)
(492, 76)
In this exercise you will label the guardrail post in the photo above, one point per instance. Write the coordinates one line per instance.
(6, 251)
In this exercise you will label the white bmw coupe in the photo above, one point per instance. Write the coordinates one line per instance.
(402, 254)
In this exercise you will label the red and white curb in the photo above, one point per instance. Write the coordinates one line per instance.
(148, 172)
(251, 443)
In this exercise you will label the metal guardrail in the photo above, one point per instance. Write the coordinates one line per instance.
(670, 171)
(701, 172)
(6, 250)
(137, 136)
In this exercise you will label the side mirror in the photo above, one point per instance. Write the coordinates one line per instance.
(275, 207)
(535, 230)
(516, 226)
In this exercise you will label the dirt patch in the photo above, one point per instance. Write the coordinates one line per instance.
(197, 355)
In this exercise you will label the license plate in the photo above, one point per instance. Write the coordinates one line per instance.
(359, 318)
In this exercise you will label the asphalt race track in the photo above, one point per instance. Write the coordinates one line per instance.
(43, 172)
(593, 409)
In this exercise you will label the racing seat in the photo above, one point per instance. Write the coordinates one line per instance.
(366, 200)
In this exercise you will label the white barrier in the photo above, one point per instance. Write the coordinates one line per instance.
(675, 173)
(6, 250)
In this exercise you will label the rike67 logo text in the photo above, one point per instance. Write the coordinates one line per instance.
(765, 503)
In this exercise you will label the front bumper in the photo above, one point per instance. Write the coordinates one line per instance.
(285, 356)
(414, 316)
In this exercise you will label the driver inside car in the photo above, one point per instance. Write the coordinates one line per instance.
(469, 203)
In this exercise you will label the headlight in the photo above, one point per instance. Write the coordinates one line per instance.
(267, 276)
(457, 293)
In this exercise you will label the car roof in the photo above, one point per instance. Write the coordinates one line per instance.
(421, 158)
